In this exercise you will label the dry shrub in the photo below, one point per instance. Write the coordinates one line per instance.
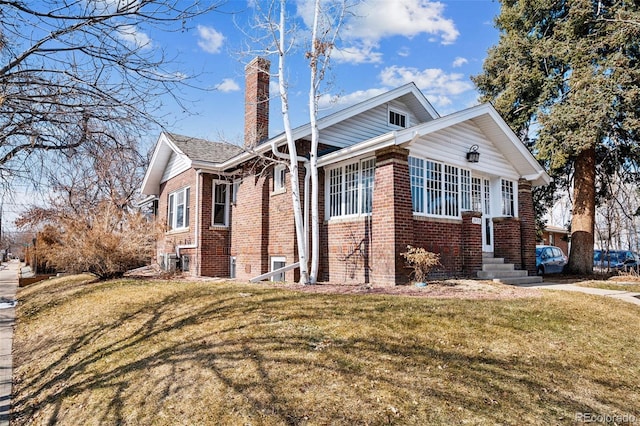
(422, 262)
(107, 242)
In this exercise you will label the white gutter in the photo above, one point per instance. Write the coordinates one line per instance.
(307, 178)
(197, 224)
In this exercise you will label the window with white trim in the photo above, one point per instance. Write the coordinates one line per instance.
(350, 188)
(235, 187)
(178, 209)
(416, 175)
(465, 190)
(279, 177)
(220, 203)
(439, 189)
(277, 263)
(508, 205)
(397, 118)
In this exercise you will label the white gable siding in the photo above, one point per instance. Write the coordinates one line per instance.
(176, 165)
(369, 124)
(450, 146)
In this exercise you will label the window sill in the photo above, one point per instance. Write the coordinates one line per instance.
(441, 219)
(350, 218)
(218, 227)
(178, 231)
(279, 191)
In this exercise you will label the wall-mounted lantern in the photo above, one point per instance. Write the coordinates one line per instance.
(473, 156)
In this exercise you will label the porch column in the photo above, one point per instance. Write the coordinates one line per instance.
(527, 215)
(392, 217)
(471, 242)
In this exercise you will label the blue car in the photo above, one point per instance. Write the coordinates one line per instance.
(550, 260)
(615, 260)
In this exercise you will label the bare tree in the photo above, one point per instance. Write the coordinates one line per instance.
(70, 70)
(90, 224)
(283, 41)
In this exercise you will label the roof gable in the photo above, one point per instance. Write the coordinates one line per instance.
(450, 137)
(174, 154)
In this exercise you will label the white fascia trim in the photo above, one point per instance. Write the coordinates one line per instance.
(163, 140)
(409, 134)
(362, 148)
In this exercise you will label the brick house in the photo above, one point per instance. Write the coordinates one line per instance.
(393, 172)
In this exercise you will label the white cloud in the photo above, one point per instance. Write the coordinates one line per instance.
(228, 85)
(404, 51)
(330, 102)
(372, 20)
(376, 19)
(459, 61)
(210, 41)
(131, 35)
(357, 55)
(436, 84)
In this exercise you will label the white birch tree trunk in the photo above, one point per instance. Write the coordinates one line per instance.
(313, 154)
(293, 153)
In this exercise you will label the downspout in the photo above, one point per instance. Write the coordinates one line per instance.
(197, 217)
(307, 178)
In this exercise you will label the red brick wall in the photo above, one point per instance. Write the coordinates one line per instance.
(507, 241)
(214, 240)
(281, 232)
(249, 224)
(527, 226)
(471, 242)
(168, 241)
(346, 247)
(444, 237)
(256, 101)
(392, 225)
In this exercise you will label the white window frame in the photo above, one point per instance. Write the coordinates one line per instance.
(349, 188)
(279, 178)
(402, 116)
(432, 183)
(173, 206)
(214, 202)
(508, 197)
(279, 259)
(235, 187)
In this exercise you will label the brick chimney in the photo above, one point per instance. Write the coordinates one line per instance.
(256, 101)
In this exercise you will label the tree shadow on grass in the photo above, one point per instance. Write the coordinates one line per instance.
(276, 357)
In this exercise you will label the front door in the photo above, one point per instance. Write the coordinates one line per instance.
(481, 195)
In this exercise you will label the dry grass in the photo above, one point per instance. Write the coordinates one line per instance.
(174, 352)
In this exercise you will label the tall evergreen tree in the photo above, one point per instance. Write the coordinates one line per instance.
(566, 74)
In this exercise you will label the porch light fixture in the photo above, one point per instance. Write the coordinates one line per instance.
(473, 156)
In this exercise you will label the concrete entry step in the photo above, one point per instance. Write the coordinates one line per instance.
(519, 281)
(490, 275)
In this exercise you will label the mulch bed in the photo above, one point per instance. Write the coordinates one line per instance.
(442, 289)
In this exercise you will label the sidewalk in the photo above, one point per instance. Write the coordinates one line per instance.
(8, 288)
(626, 296)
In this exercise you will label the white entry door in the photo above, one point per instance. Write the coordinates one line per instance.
(481, 196)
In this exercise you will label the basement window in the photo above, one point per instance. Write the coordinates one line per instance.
(277, 263)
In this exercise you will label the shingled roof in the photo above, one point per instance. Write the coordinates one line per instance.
(204, 150)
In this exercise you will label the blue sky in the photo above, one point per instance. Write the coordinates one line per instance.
(438, 45)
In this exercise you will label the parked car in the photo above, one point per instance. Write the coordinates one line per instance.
(615, 260)
(550, 260)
